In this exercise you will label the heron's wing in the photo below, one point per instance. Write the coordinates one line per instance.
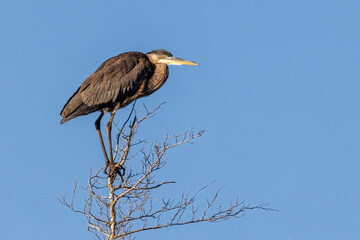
(120, 75)
(72, 104)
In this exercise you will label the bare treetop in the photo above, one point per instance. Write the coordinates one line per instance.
(119, 205)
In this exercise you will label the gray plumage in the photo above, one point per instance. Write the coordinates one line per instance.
(119, 80)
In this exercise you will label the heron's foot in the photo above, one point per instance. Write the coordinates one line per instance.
(116, 169)
(120, 170)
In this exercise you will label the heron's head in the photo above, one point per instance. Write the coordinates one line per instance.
(164, 57)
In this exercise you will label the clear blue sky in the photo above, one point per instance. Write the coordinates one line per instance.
(277, 91)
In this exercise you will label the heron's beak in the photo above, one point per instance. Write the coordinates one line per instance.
(176, 61)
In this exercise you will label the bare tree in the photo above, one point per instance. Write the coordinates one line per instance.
(121, 203)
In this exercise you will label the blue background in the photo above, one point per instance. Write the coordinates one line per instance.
(277, 91)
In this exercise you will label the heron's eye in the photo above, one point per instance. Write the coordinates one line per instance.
(162, 56)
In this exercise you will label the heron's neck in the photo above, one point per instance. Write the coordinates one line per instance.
(159, 77)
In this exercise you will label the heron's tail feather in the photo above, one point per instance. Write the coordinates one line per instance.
(83, 109)
(76, 107)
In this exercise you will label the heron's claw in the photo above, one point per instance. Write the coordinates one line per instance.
(120, 170)
(105, 169)
(115, 169)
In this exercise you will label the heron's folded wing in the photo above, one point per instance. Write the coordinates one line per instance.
(116, 76)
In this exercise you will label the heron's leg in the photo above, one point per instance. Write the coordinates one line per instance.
(108, 129)
(97, 126)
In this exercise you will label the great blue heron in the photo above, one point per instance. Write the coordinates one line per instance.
(116, 83)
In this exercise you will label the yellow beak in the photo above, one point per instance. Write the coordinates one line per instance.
(176, 61)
